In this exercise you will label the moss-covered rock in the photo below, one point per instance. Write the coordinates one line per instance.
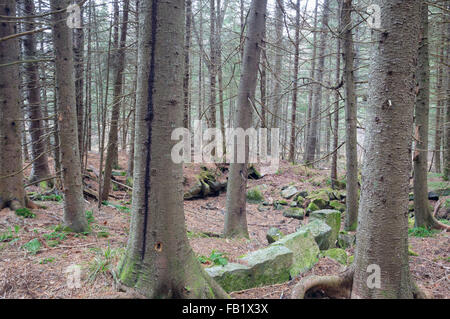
(322, 233)
(269, 266)
(332, 218)
(289, 192)
(311, 208)
(232, 277)
(254, 195)
(304, 248)
(300, 200)
(294, 212)
(274, 234)
(337, 254)
(337, 205)
(346, 240)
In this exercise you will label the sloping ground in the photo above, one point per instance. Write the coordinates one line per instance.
(43, 275)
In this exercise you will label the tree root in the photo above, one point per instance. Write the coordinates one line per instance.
(336, 287)
(437, 224)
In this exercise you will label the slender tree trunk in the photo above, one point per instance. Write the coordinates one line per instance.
(12, 193)
(74, 215)
(312, 139)
(447, 107)
(295, 91)
(351, 216)
(279, 24)
(382, 235)
(78, 50)
(187, 58)
(159, 262)
(337, 97)
(422, 212)
(212, 64)
(40, 169)
(236, 218)
(117, 101)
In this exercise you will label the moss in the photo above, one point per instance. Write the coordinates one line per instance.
(312, 207)
(337, 254)
(254, 195)
(350, 260)
(338, 205)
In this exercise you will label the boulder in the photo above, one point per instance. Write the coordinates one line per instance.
(273, 235)
(294, 212)
(332, 218)
(337, 205)
(433, 196)
(289, 192)
(322, 233)
(300, 200)
(232, 277)
(337, 254)
(311, 208)
(269, 266)
(304, 248)
(346, 240)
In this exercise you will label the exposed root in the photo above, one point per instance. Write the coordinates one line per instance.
(437, 224)
(417, 292)
(336, 287)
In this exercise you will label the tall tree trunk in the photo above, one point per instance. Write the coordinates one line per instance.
(213, 64)
(312, 140)
(40, 169)
(117, 101)
(236, 218)
(446, 170)
(422, 212)
(12, 193)
(383, 211)
(78, 51)
(337, 97)
(279, 24)
(187, 63)
(351, 216)
(159, 263)
(74, 215)
(295, 91)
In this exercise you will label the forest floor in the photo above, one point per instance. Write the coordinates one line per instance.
(39, 270)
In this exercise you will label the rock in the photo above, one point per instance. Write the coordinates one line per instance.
(253, 173)
(311, 208)
(332, 218)
(411, 196)
(289, 192)
(346, 240)
(300, 200)
(279, 204)
(337, 254)
(266, 203)
(194, 192)
(293, 204)
(269, 266)
(232, 277)
(273, 235)
(262, 208)
(322, 233)
(303, 194)
(304, 248)
(433, 196)
(294, 212)
(337, 205)
(254, 195)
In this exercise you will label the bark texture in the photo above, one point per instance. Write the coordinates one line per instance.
(159, 262)
(74, 215)
(12, 193)
(383, 211)
(236, 218)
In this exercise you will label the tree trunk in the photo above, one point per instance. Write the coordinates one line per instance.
(447, 107)
(40, 169)
(279, 24)
(334, 175)
(311, 143)
(117, 101)
(159, 263)
(422, 212)
(187, 63)
(74, 215)
(78, 51)
(351, 216)
(383, 211)
(12, 193)
(295, 91)
(235, 218)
